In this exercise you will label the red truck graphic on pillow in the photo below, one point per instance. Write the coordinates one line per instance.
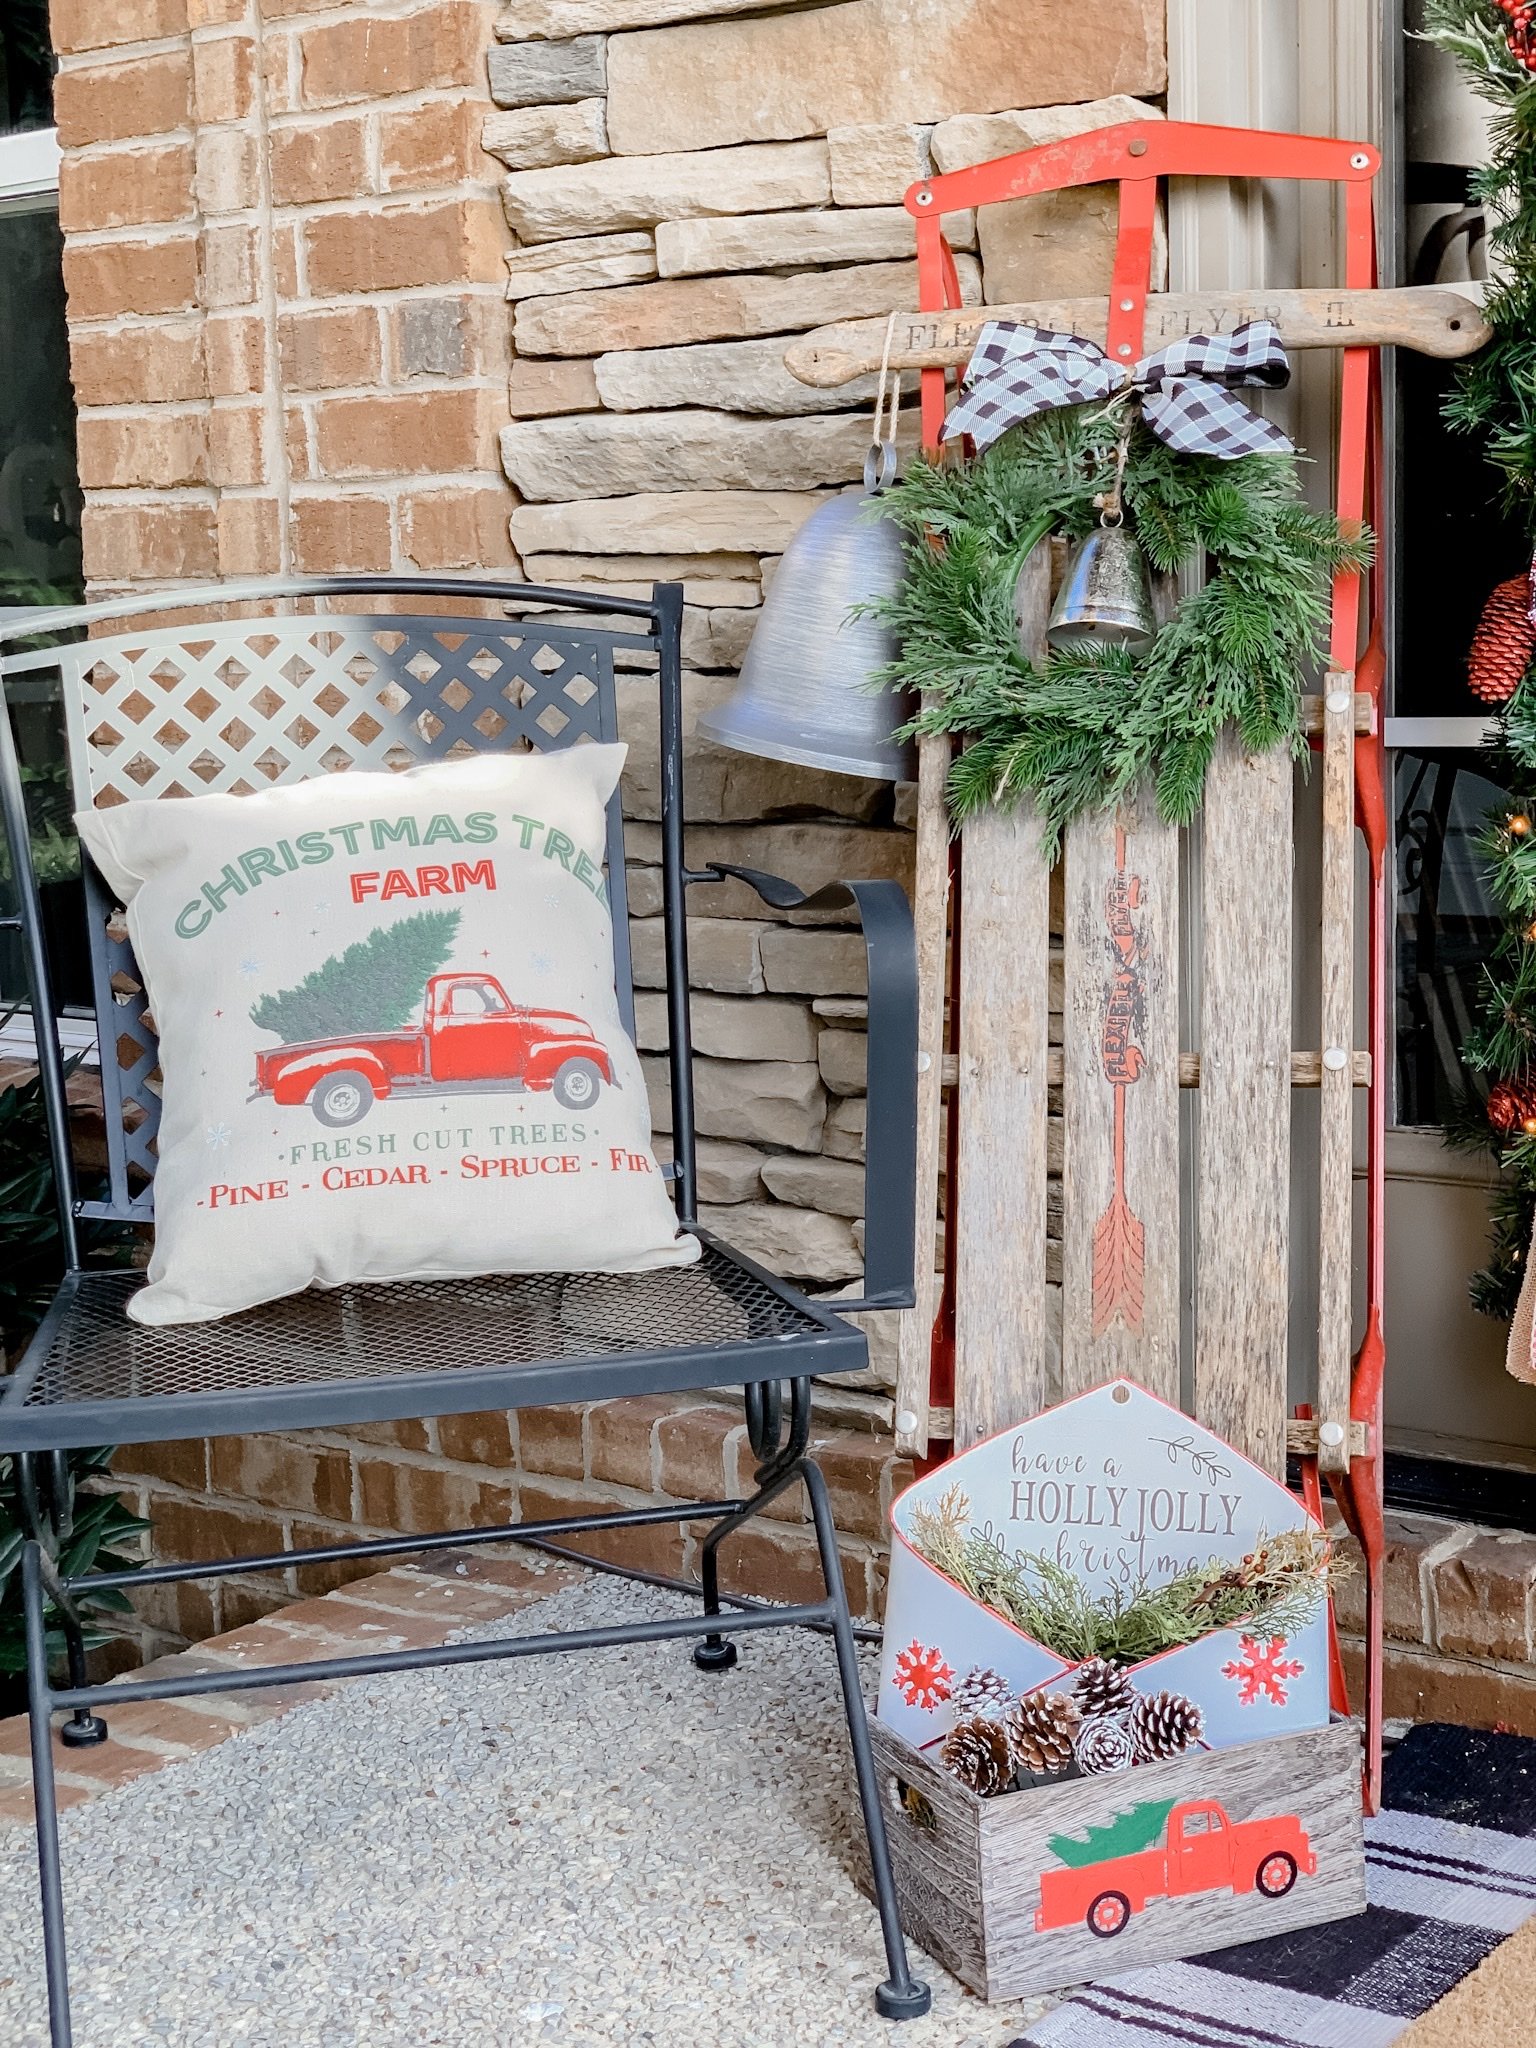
(472, 1040)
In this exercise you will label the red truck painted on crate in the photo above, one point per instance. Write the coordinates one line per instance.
(1203, 1850)
(472, 1040)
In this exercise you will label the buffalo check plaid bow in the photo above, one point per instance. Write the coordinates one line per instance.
(1185, 389)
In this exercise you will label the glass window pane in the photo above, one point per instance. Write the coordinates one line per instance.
(1447, 924)
(39, 564)
(26, 67)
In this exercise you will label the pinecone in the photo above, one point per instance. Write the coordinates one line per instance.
(1512, 1107)
(1503, 642)
(1103, 1745)
(1163, 1724)
(1101, 1688)
(981, 1691)
(1041, 1726)
(977, 1752)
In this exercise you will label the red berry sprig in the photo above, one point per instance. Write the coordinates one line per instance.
(1521, 39)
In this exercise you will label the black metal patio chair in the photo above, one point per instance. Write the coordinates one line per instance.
(291, 689)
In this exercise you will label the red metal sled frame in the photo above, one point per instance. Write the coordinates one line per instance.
(1136, 155)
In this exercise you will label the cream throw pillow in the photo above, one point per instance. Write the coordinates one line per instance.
(389, 1038)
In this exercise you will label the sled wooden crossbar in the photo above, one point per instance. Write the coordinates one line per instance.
(1120, 1193)
(1426, 318)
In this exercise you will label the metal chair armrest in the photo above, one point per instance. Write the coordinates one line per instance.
(890, 1139)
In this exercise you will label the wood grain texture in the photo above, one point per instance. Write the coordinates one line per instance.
(1336, 1097)
(966, 1855)
(930, 911)
(1427, 318)
(1000, 1101)
(936, 1854)
(1241, 1300)
(1120, 1182)
(1306, 1069)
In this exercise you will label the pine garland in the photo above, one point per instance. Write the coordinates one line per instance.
(1495, 398)
(1281, 1583)
(1085, 729)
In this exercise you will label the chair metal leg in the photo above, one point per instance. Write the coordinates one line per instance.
(718, 1653)
(51, 1529)
(902, 1996)
(778, 1466)
(39, 1705)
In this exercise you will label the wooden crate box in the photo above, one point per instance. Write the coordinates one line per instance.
(1251, 1841)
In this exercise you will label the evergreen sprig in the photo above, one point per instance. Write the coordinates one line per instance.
(1086, 727)
(1495, 398)
(1279, 1586)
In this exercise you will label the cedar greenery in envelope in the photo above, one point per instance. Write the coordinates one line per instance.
(1107, 1578)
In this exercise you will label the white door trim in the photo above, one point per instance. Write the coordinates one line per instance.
(29, 163)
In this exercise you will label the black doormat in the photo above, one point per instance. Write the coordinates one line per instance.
(1450, 1873)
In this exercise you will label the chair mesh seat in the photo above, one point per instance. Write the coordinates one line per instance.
(394, 1330)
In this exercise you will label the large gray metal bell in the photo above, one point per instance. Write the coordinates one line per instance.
(803, 694)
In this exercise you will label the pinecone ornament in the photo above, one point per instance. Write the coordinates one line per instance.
(1503, 642)
(1162, 1724)
(1041, 1726)
(1512, 1107)
(981, 1691)
(978, 1753)
(1101, 1688)
(1103, 1745)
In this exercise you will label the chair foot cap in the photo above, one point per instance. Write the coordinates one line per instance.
(908, 2004)
(84, 1731)
(718, 1655)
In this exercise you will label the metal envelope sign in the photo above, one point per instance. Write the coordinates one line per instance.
(1121, 1490)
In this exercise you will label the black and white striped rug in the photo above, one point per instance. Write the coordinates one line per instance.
(1451, 1872)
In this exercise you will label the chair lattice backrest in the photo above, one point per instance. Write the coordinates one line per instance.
(240, 705)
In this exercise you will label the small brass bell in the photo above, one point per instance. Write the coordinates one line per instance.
(1105, 598)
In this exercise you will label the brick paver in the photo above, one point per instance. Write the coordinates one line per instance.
(412, 1607)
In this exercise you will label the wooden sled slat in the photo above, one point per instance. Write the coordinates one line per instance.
(1336, 1154)
(930, 911)
(1426, 318)
(1000, 1329)
(1244, 1160)
(1120, 1103)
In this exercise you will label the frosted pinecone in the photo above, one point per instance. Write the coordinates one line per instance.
(982, 1691)
(1162, 1724)
(1103, 1745)
(1102, 1688)
(978, 1753)
(1041, 1726)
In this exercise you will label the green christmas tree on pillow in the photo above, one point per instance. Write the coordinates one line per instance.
(375, 985)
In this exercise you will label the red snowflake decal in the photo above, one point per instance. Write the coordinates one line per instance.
(1261, 1670)
(922, 1677)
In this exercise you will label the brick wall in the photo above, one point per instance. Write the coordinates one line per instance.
(310, 333)
(283, 254)
(1460, 1623)
(252, 1495)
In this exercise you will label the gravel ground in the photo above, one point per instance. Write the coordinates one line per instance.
(553, 1853)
